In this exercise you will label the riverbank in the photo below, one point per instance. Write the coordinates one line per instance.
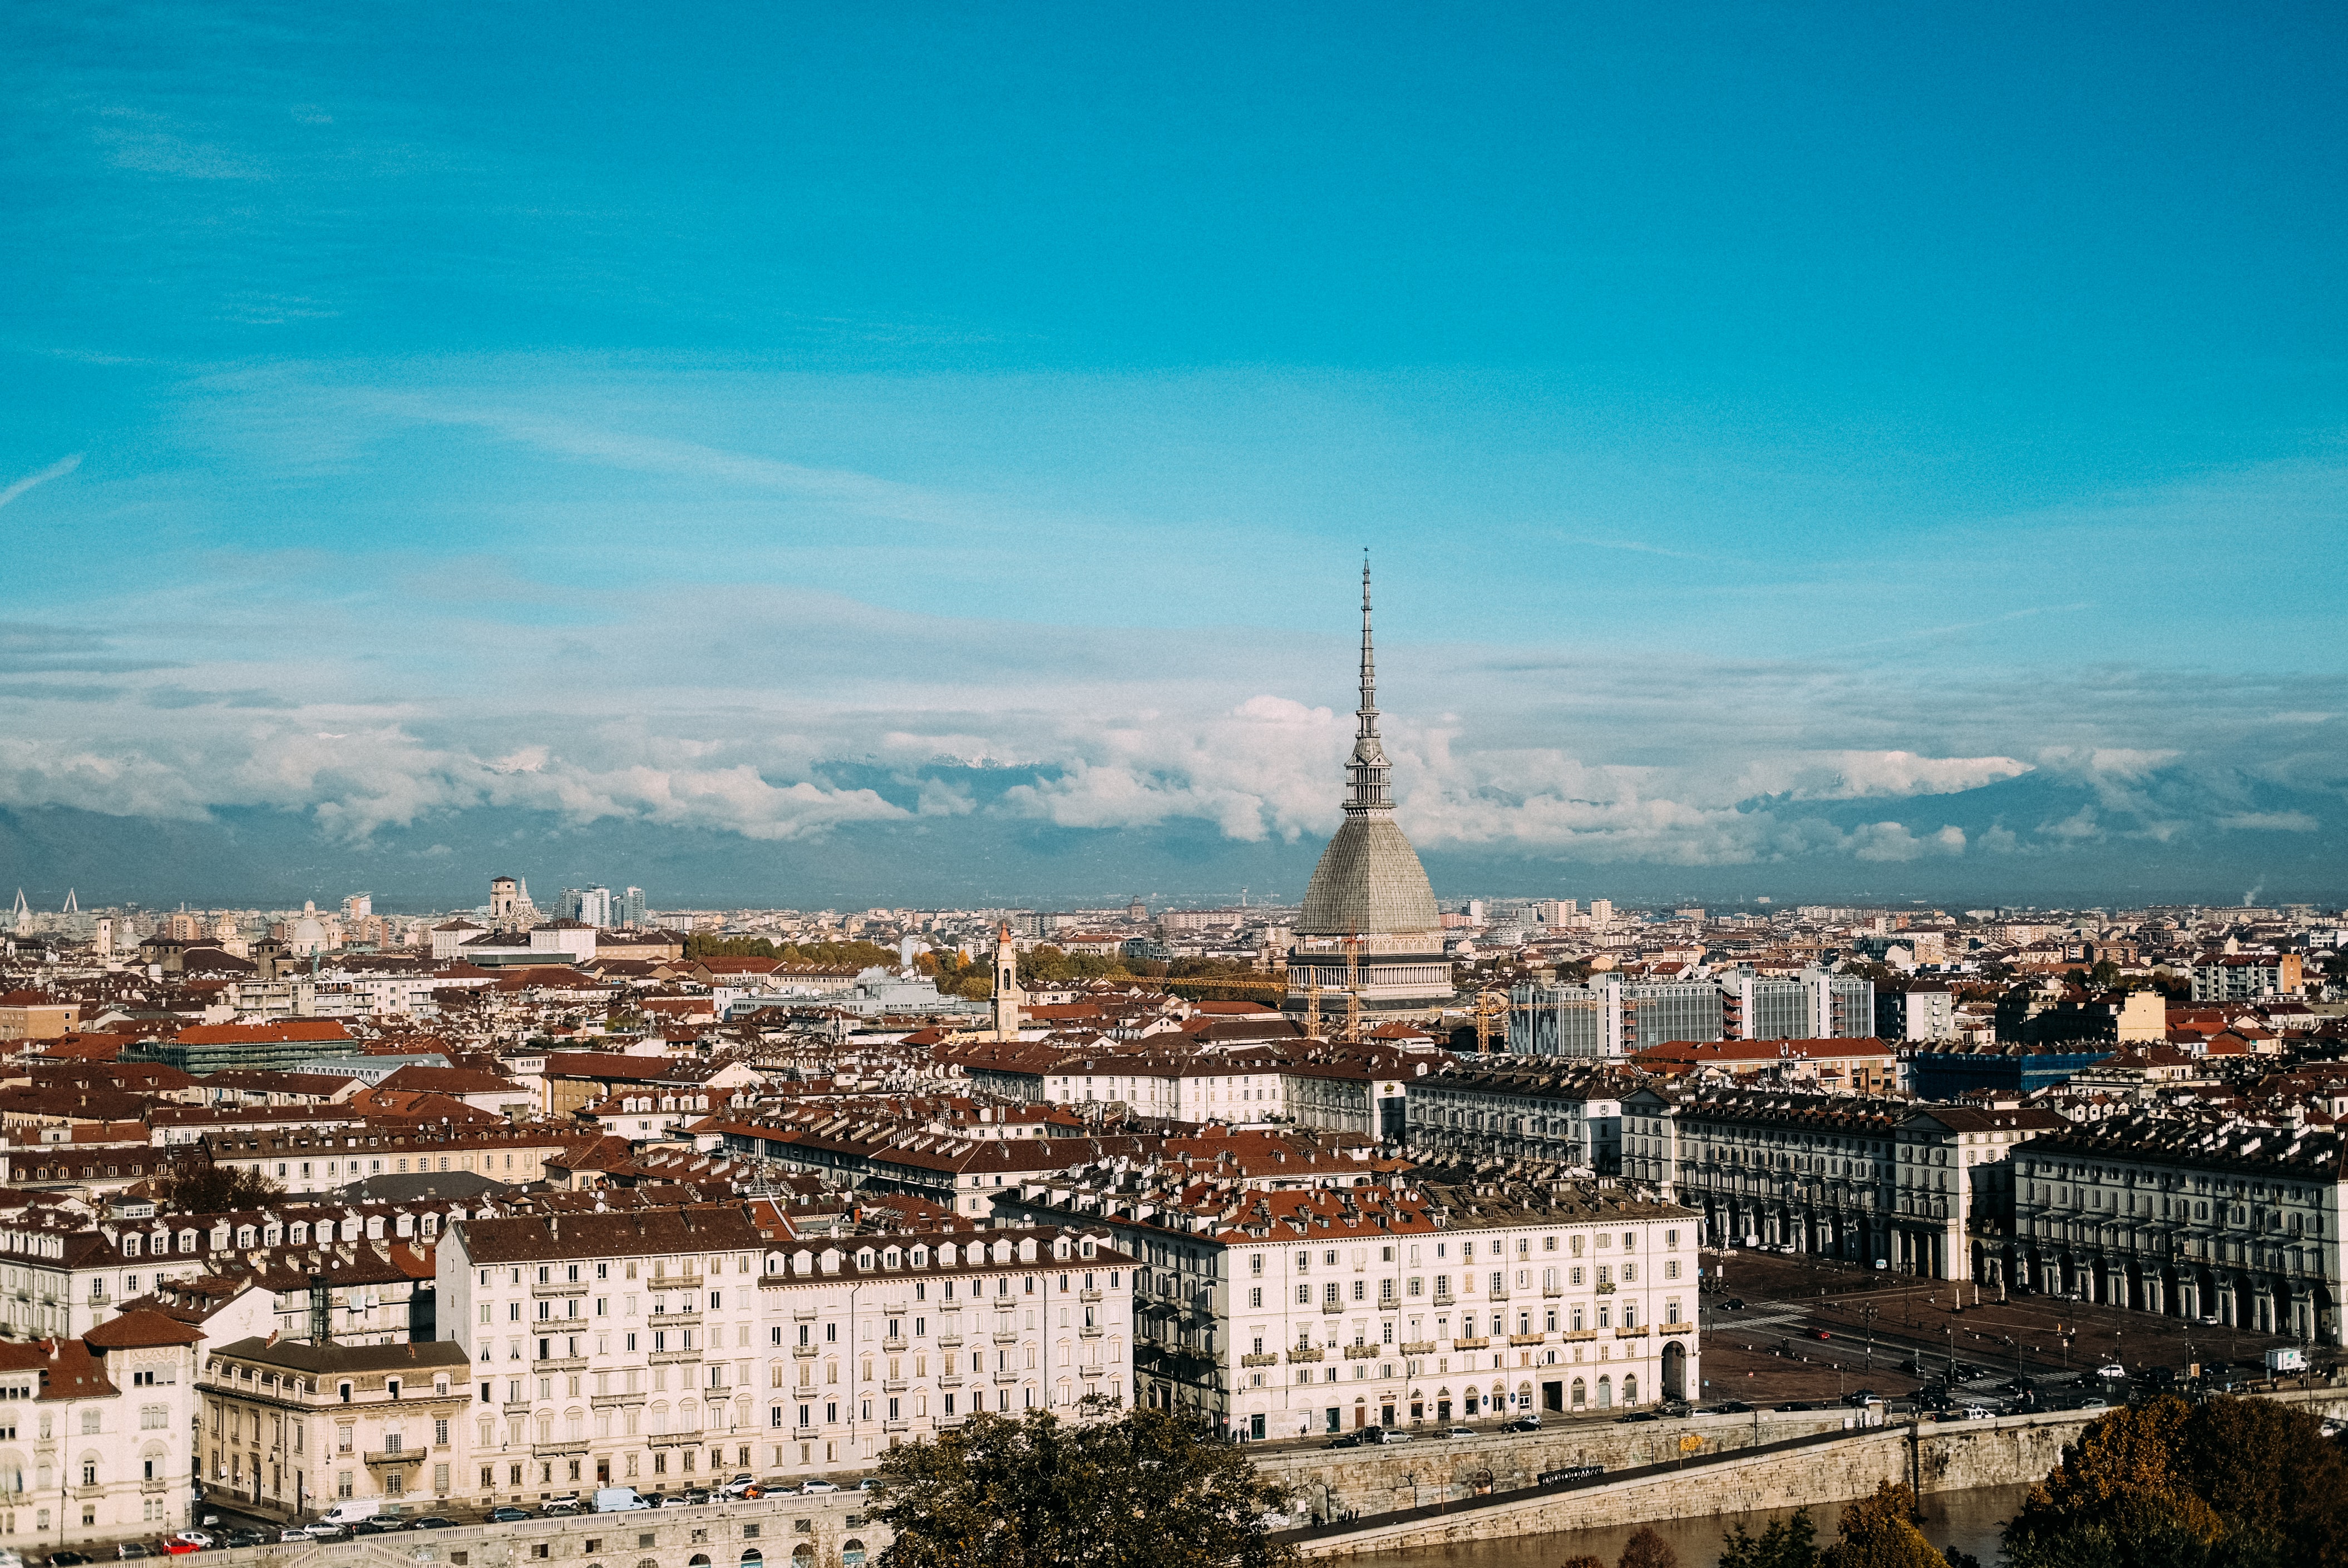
(1969, 1519)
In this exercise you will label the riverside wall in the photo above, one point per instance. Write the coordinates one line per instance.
(1834, 1469)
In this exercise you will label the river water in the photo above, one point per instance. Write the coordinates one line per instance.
(1969, 1520)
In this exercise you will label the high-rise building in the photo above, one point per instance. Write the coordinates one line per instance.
(632, 912)
(1369, 929)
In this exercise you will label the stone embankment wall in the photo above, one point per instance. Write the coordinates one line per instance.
(1943, 1457)
(1429, 1470)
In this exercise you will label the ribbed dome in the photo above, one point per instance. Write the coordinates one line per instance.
(1369, 883)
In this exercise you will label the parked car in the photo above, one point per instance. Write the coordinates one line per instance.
(1822, 1333)
(1733, 1304)
(1636, 1416)
(1347, 1440)
(1976, 1413)
(507, 1515)
(738, 1485)
(69, 1559)
(326, 1530)
(175, 1547)
(1796, 1405)
(376, 1527)
(433, 1521)
(815, 1487)
(678, 1501)
(2111, 1369)
(203, 1539)
(1522, 1424)
(131, 1549)
(1857, 1397)
(246, 1538)
(567, 1503)
(696, 1495)
(1459, 1431)
(1732, 1408)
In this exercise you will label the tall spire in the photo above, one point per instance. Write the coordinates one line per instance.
(1370, 773)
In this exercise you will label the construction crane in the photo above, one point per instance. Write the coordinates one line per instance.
(1490, 1005)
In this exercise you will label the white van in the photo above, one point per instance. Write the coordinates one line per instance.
(618, 1500)
(350, 1511)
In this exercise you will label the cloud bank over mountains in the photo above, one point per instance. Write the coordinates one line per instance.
(752, 744)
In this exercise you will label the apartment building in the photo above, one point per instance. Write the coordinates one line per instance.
(2232, 1220)
(1923, 1189)
(94, 1434)
(2245, 976)
(659, 1348)
(1277, 1314)
(291, 1427)
(317, 1162)
(1568, 1114)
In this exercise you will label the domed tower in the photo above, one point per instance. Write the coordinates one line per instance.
(1369, 927)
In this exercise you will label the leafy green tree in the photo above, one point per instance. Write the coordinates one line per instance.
(1645, 1549)
(2277, 1482)
(1583, 1560)
(1876, 1534)
(1785, 1543)
(1144, 1492)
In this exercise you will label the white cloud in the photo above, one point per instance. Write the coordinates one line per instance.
(2269, 822)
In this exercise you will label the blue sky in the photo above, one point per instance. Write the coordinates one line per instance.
(700, 439)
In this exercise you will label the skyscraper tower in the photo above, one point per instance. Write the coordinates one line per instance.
(1369, 930)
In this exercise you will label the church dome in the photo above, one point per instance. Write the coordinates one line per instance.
(1369, 883)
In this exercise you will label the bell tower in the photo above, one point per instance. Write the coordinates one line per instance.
(1008, 998)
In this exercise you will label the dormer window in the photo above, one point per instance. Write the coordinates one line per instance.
(891, 1258)
(130, 1245)
(864, 1258)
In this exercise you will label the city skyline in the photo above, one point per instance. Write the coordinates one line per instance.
(794, 461)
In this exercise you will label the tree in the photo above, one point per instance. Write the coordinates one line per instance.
(193, 1185)
(2120, 1497)
(1583, 1560)
(1785, 1543)
(1145, 1491)
(1645, 1549)
(1876, 1534)
(2277, 1482)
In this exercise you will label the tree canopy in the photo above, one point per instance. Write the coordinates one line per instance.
(818, 955)
(2231, 1483)
(1143, 1492)
(193, 1185)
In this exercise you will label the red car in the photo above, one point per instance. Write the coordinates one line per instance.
(1821, 1334)
(179, 1548)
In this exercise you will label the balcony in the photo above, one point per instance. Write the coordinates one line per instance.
(402, 1456)
(1473, 1342)
(1443, 1298)
(1605, 1287)
(561, 1287)
(1552, 1290)
(1260, 1361)
(950, 1341)
(1331, 1308)
(949, 1380)
(1527, 1338)
(802, 1314)
(1088, 1295)
(894, 1384)
(1090, 1331)
(1005, 1377)
(604, 1401)
(1315, 1354)
(1006, 1336)
(1638, 1333)
(559, 1451)
(898, 1343)
(803, 1352)
(1572, 1334)
(1360, 1352)
(517, 1407)
(560, 1364)
(657, 1358)
(1418, 1348)
(682, 1319)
